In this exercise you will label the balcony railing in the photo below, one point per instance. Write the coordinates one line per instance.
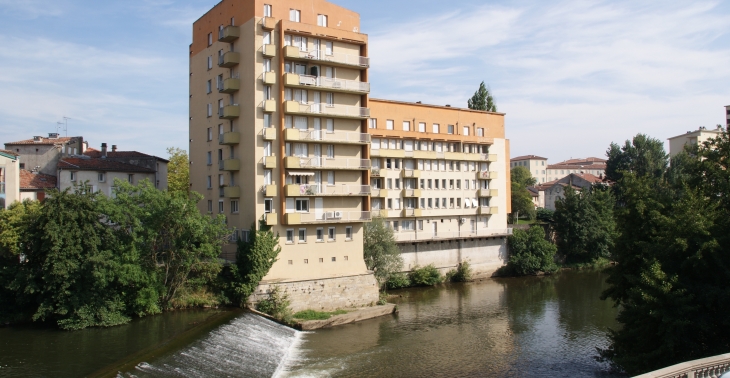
(328, 190)
(487, 175)
(421, 235)
(339, 58)
(335, 216)
(713, 366)
(333, 83)
(327, 109)
(341, 163)
(329, 136)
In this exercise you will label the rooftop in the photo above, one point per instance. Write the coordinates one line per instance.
(94, 153)
(527, 157)
(30, 180)
(700, 130)
(418, 103)
(9, 154)
(42, 141)
(98, 164)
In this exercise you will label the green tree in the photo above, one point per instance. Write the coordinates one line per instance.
(178, 170)
(482, 99)
(380, 251)
(642, 155)
(521, 198)
(254, 259)
(585, 225)
(530, 253)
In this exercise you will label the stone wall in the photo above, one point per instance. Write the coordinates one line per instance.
(325, 294)
(485, 255)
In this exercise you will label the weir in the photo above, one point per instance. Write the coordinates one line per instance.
(247, 346)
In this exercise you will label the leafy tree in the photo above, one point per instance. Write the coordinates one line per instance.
(521, 199)
(545, 215)
(530, 253)
(254, 259)
(585, 225)
(178, 170)
(482, 99)
(380, 251)
(642, 155)
(425, 276)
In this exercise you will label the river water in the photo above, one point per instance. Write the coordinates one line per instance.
(511, 327)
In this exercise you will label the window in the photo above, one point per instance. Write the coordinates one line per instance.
(466, 130)
(406, 126)
(348, 233)
(267, 120)
(210, 110)
(334, 259)
(267, 10)
(372, 123)
(435, 128)
(267, 92)
(295, 15)
(210, 182)
(210, 206)
(389, 124)
(210, 39)
(267, 176)
(421, 127)
(267, 65)
(266, 38)
(320, 234)
(234, 207)
(268, 205)
(331, 151)
(102, 177)
(480, 131)
(290, 236)
(331, 234)
(267, 148)
(302, 205)
(220, 206)
(210, 62)
(407, 225)
(330, 177)
(322, 20)
(208, 87)
(130, 179)
(450, 129)
(330, 99)
(395, 225)
(302, 235)
(210, 134)
(328, 48)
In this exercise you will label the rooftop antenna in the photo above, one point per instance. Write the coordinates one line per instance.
(65, 126)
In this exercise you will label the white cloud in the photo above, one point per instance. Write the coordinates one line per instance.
(32, 8)
(572, 76)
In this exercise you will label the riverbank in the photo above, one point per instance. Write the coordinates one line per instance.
(351, 316)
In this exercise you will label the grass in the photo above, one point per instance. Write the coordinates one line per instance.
(527, 221)
(317, 315)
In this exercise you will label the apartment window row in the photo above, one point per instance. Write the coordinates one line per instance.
(300, 235)
(409, 225)
(525, 163)
(319, 179)
(317, 48)
(233, 206)
(428, 203)
(317, 99)
(419, 145)
(302, 150)
(429, 165)
(422, 127)
(301, 68)
(429, 184)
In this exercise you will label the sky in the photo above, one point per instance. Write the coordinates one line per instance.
(571, 76)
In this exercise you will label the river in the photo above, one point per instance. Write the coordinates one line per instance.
(507, 327)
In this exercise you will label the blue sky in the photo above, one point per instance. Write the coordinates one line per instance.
(572, 76)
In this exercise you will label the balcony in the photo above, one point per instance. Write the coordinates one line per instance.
(229, 112)
(487, 193)
(269, 106)
(410, 173)
(487, 175)
(229, 59)
(410, 193)
(425, 154)
(229, 165)
(269, 133)
(379, 193)
(410, 236)
(269, 162)
(231, 191)
(323, 136)
(271, 219)
(268, 51)
(341, 111)
(330, 84)
(375, 172)
(268, 23)
(411, 213)
(489, 157)
(229, 33)
(382, 152)
(294, 162)
(229, 86)
(328, 217)
(334, 59)
(229, 138)
(487, 210)
(269, 190)
(297, 190)
(268, 77)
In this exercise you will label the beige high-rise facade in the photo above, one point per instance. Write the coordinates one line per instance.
(279, 132)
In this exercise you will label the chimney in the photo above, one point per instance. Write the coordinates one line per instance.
(448, 106)
(103, 150)
(114, 148)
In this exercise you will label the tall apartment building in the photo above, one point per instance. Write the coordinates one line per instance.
(279, 115)
(592, 165)
(699, 136)
(537, 166)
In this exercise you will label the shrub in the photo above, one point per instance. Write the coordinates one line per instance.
(276, 305)
(426, 276)
(462, 273)
(545, 215)
(530, 253)
(398, 281)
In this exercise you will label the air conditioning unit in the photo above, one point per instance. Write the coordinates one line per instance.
(336, 84)
(329, 215)
(338, 215)
(463, 220)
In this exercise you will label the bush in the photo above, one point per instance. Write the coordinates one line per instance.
(426, 276)
(398, 281)
(530, 253)
(276, 305)
(545, 215)
(462, 273)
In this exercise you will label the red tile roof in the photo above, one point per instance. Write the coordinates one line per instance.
(93, 164)
(30, 180)
(43, 141)
(9, 153)
(527, 157)
(94, 153)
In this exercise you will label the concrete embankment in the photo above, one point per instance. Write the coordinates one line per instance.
(353, 315)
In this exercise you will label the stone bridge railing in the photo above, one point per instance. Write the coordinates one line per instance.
(706, 367)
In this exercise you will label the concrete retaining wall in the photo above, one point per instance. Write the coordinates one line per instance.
(325, 294)
(485, 255)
